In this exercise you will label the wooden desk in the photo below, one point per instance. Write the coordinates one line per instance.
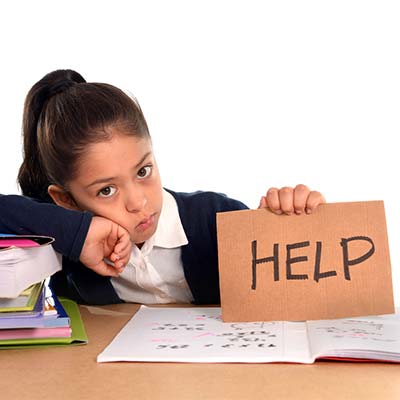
(72, 373)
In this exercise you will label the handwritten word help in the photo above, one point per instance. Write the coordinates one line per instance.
(345, 244)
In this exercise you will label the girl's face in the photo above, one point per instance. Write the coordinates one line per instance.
(119, 180)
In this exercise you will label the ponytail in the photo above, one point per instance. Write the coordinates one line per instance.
(32, 176)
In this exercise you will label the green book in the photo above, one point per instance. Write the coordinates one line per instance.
(78, 335)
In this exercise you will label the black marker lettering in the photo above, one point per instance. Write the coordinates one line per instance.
(346, 261)
(317, 267)
(255, 261)
(290, 261)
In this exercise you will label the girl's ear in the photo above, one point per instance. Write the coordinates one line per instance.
(61, 197)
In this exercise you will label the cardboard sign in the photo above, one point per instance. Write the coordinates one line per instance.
(333, 263)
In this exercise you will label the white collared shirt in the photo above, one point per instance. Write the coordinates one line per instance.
(154, 273)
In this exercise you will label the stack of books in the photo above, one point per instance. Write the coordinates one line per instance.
(30, 314)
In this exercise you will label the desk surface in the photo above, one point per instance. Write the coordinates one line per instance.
(73, 373)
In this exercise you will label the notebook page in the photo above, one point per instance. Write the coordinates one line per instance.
(375, 337)
(195, 335)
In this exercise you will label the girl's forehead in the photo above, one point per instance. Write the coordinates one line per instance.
(118, 146)
(117, 155)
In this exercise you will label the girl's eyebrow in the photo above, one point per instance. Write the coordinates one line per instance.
(111, 178)
(142, 160)
(101, 180)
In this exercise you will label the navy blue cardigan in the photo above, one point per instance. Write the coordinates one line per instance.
(197, 211)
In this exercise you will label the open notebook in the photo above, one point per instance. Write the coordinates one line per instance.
(199, 335)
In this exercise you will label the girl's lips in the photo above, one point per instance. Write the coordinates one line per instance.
(146, 223)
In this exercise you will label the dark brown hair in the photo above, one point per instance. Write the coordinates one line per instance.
(63, 114)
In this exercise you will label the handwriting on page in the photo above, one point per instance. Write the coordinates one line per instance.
(179, 336)
(351, 329)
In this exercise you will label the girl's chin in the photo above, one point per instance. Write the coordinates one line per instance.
(141, 238)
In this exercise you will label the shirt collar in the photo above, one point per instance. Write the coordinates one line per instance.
(170, 233)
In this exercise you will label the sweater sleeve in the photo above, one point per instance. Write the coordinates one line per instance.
(23, 215)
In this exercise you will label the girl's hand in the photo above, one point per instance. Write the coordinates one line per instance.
(287, 200)
(106, 239)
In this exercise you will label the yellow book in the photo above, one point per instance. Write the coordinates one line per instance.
(26, 301)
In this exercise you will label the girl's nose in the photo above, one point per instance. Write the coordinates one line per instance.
(135, 201)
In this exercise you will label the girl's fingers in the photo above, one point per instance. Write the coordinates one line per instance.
(286, 200)
(123, 248)
(272, 200)
(102, 268)
(313, 201)
(301, 193)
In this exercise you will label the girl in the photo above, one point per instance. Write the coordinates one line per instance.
(87, 148)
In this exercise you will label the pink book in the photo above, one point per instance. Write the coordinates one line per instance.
(35, 333)
(10, 242)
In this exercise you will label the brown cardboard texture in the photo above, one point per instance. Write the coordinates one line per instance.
(333, 263)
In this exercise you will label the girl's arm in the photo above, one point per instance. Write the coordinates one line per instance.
(22, 215)
(78, 235)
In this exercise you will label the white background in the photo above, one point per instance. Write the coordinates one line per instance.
(239, 95)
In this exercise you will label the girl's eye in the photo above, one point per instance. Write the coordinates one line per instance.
(144, 172)
(107, 191)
